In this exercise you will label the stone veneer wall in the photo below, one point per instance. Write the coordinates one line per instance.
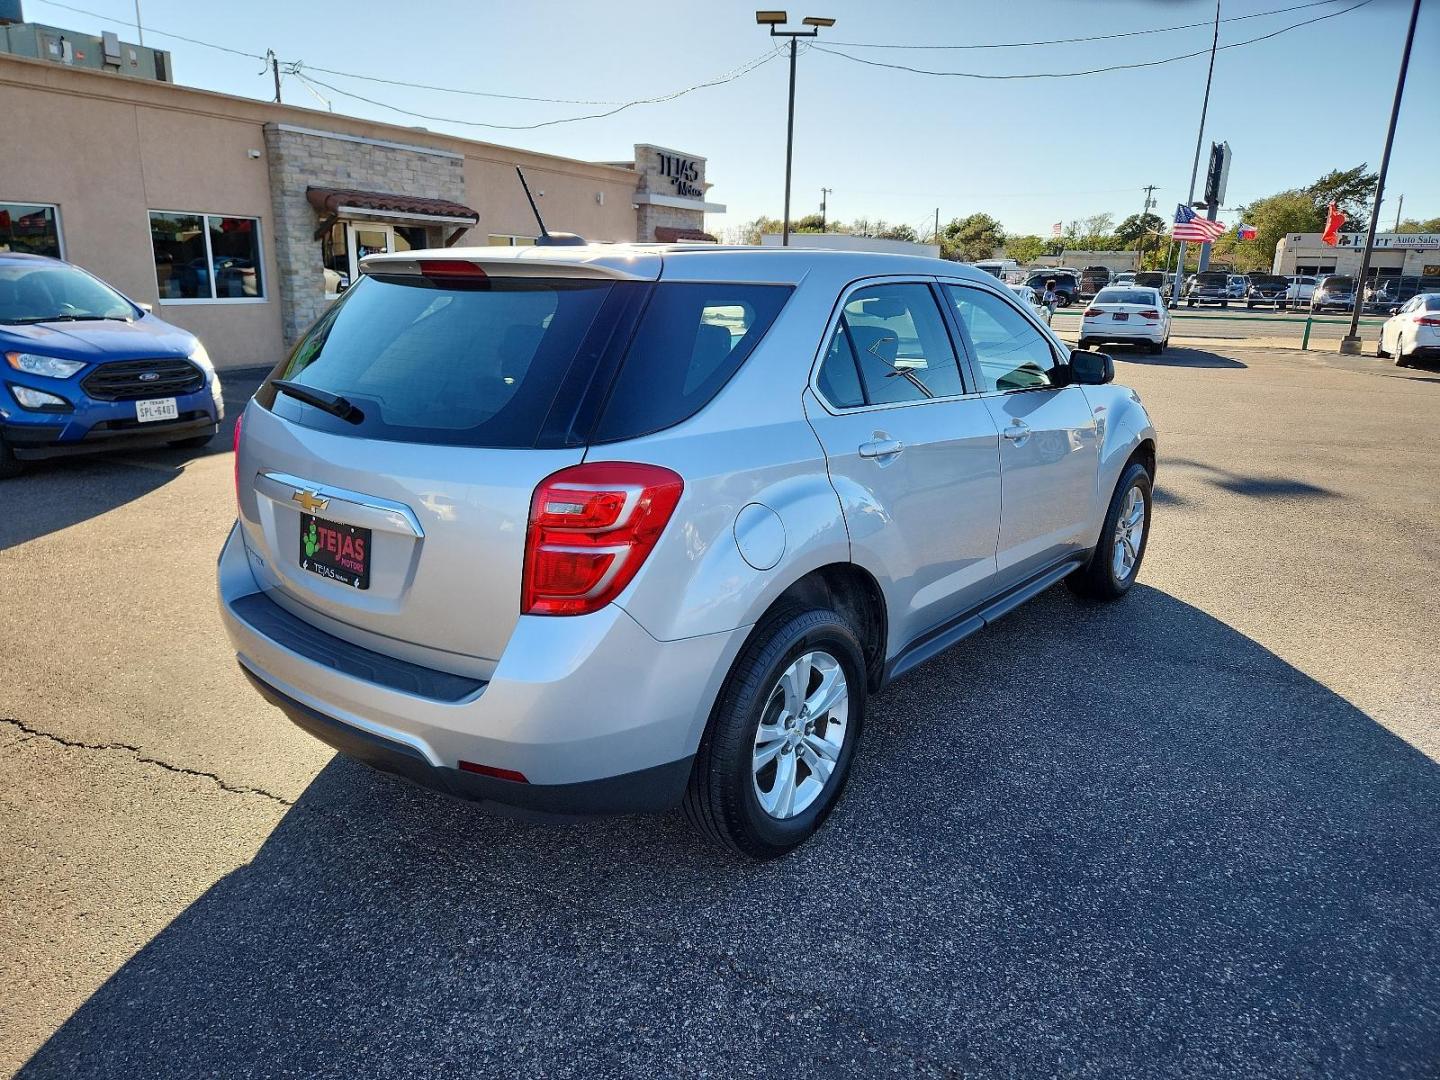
(648, 216)
(300, 160)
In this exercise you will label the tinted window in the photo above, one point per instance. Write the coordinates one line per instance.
(1009, 351)
(1432, 303)
(1212, 279)
(1125, 296)
(1333, 284)
(692, 338)
(473, 364)
(890, 347)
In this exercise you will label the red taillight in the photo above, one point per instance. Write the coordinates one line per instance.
(591, 528)
(1427, 322)
(235, 446)
(1151, 314)
(1091, 312)
(450, 268)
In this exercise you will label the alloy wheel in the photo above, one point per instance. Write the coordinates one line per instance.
(801, 733)
(1129, 535)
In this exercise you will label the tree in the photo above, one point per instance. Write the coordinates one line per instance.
(1413, 225)
(1091, 233)
(897, 232)
(1026, 249)
(966, 239)
(1139, 227)
(1273, 218)
(814, 223)
(1352, 190)
(751, 231)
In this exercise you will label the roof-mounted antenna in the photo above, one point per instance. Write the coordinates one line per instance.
(546, 237)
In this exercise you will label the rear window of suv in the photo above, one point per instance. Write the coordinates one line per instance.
(516, 363)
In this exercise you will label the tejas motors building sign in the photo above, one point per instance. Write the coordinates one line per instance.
(683, 174)
(672, 178)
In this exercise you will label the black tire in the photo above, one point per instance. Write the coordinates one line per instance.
(1096, 580)
(192, 443)
(1156, 348)
(1189, 303)
(1249, 307)
(721, 801)
(1225, 303)
(1083, 344)
(10, 465)
(1064, 301)
(1282, 307)
(1401, 360)
(1380, 353)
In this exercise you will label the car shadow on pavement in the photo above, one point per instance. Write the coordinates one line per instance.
(1259, 487)
(56, 493)
(1122, 840)
(1173, 356)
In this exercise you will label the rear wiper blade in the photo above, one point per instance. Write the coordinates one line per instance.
(334, 404)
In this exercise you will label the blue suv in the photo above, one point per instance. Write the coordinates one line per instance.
(82, 368)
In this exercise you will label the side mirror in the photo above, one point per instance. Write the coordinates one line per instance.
(1394, 311)
(1091, 368)
(147, 308)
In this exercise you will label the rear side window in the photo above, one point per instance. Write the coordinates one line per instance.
(890, 347)
(690, 340)
(459, 363)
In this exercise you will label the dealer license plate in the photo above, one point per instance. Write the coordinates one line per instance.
(336, 551)
(1122, 316)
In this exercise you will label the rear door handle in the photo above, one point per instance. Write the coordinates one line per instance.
(881, 448)
(1018, 431)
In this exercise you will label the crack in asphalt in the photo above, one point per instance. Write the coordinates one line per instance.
(140, 756)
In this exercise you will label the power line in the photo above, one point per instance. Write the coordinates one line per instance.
(729, 77)
(162, 33)
(1092, 37)
(1088, 71)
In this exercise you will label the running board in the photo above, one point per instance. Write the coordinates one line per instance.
(942, 637)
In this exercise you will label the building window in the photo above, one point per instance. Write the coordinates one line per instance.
(505, 240)
(31, 227)
(206, 258)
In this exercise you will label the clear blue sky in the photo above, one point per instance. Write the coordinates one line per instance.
(891, 144)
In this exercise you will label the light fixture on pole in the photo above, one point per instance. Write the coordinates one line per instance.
(774, 20)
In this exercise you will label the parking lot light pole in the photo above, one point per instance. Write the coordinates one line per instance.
(774, 19)
(1350, 343)
(1199, 141)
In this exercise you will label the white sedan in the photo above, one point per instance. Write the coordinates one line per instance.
(1132, 316)
(1412, 332)
(1029, 296)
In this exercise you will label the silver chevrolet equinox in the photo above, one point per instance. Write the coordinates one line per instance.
(605, 529)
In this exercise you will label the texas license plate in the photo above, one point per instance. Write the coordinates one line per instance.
(156, 409)
(336, 551)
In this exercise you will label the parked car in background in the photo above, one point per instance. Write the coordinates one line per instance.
(1302, 287)
(1031, 299)
(1211, 287)
(85, 369)
(584, 530)
(996, 267)
(1067, 284)
(1155, 279)
(1334, 292)
(1413, 332)
(1238, 286)
(1131, 316)
(1266, 289)
(1125, 277)
(1093, 279)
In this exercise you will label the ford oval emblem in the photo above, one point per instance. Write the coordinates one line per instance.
(149, 376)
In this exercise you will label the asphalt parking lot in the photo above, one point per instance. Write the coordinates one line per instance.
(1190, 834)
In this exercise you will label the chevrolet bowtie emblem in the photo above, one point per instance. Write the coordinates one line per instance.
(310, 501)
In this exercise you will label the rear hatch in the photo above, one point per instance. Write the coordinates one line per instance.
(401, 510)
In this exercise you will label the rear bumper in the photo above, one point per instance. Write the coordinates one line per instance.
(597, 715)
(1123, 332)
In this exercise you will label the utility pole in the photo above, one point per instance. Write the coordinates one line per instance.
(935, 236)
(1149, 202)
(773, 19)
(1398, 207)
(274, 63)
(1199, 141)
(139, 29)
(824, 195)
(1350, 343)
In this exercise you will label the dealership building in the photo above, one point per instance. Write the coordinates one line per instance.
(1396, 255)
(241, 220)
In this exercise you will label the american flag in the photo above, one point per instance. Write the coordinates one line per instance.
(1191, 226)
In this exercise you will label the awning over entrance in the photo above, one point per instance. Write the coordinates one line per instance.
(341, 201)
(669, 234)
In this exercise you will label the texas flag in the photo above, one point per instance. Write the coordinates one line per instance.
(1245, 232)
